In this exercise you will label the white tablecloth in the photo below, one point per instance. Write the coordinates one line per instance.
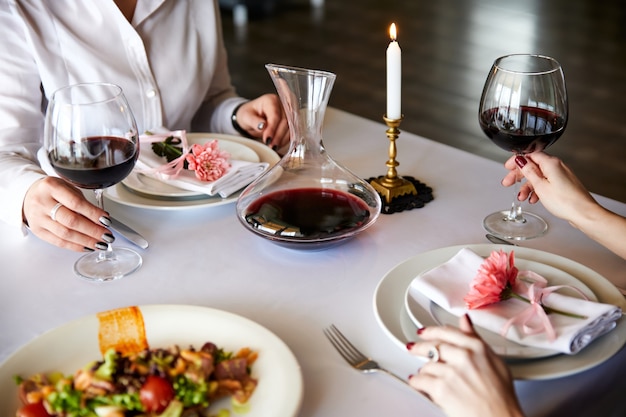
(205, 257)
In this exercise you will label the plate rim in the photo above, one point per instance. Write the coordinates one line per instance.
(291, 375)
(120, 195)
(546, 368)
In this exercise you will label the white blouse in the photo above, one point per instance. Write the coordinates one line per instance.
(170, 62)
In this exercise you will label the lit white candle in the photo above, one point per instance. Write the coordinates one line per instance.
(394, 76)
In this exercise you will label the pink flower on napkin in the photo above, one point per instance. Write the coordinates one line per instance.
(207, 161)
(494, 280)
(497, 280)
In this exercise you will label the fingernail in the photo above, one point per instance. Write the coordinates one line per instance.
(86, 249)
(268, 140)
(519, 196)
(105, 221)
(469, 319)
(409, 345)
(520, 161)
(420, 330)
(108, 237)
(274, 148)
(102, 245)
(410, 376)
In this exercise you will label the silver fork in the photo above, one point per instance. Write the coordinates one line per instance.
(353, 356)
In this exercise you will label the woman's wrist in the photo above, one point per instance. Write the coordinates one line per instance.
(236, 125)
(605, 227)
(586, 215)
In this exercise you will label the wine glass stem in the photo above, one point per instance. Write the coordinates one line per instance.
(108, 253)
(515, 214)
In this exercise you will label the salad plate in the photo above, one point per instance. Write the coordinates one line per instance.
(393, 317)
(150, 195)
(150, 187)
(423, 312)
(71, 346)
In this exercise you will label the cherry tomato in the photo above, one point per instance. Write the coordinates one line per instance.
(156, 394)
(33, 410)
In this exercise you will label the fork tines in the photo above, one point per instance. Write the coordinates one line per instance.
(346, 349)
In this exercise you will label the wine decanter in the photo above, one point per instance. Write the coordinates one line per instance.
(307, 200)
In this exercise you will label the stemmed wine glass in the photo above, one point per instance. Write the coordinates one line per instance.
(91, 140)
(523, 109)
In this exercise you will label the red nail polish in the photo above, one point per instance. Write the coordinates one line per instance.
(409, 345)
(420, 330)
(410, 376)
(520, 161)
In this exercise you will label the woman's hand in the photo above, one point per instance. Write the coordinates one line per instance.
(78, 224)
(264, 118)
(551, 181)
(469, 379)
(562, 194)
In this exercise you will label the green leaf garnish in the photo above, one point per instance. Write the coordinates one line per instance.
(168, 148)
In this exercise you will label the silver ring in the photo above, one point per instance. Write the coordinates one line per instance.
(433, 354)
(260, 126)
(53, 212)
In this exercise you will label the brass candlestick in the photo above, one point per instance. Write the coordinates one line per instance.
(392, 185)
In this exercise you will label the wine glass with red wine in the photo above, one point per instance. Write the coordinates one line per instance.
(91, 140)
(523, 109)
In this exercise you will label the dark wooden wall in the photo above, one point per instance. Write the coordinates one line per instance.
(448, 47)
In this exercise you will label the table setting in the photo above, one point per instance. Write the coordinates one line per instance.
(144, 191)
(410, 308)
(241, 269)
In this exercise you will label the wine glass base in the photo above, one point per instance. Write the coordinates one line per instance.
(499, 224)
(108, 265)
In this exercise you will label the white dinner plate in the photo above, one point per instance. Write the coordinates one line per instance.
(392, 316)
(69, 347)
(423, 312)
(152, 188)
(121, 194)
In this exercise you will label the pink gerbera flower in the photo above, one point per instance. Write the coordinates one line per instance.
(208, 161)
(494, 281)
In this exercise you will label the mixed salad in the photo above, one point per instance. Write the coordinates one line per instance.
(170, 382)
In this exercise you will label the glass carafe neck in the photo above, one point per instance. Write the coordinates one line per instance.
(304, 94)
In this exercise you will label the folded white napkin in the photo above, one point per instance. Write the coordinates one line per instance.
(447, 285)
(240, 174)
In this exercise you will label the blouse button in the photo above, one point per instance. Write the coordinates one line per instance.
(151, 93)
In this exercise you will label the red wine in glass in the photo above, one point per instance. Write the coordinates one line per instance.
(538, 130)
(90, 137)
(105, 161)
(523, 109)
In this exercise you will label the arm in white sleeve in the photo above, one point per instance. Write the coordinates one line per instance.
(21, 119)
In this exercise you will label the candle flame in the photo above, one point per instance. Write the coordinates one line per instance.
(392, 32)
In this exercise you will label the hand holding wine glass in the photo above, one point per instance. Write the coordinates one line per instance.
(91, 141)
(523, 109)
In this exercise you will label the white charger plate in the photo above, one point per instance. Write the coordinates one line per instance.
(120, 194)
(392, 316)
(71, 346)
(423, 312)
(151, 187)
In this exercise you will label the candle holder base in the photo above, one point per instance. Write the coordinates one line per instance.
(390, 188)
(402, 201)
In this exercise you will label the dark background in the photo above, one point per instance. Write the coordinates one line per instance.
(448, 47)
